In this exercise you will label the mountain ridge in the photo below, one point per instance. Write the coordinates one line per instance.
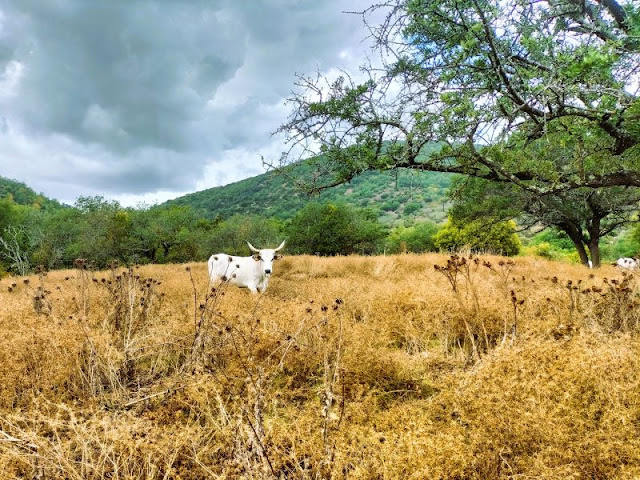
(395, 195)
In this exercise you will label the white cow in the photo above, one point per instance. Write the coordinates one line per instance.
(249, 272)
(630, 263)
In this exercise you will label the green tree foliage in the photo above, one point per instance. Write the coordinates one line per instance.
(502, 87)
(630, 243)
(584, 215)
(105, 229)
(499, 237)
(231, 235)
(102, 231)
(416, 238)
(282, 196)
(15, 238)
(59, 235)
(411, 207)
(7, 212)
(169, 228)
(332, 229)
(550, 243)
(21, 194)
(556, 238)
(554, 244)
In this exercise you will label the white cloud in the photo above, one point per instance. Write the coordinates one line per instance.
(10, 79)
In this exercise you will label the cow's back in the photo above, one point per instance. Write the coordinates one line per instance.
(219, 266)
(629, 263)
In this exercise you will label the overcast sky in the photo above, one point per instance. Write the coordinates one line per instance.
(146, 100)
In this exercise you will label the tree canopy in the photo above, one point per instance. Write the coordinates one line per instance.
(585, 215)
(541, 94)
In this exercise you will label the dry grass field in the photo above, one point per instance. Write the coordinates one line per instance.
(351, 367)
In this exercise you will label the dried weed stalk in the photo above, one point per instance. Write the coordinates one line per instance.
(332, 376)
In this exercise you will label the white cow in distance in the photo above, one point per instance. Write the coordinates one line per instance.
(629, 263)
(248, 272)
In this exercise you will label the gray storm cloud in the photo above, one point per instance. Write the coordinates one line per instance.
(147, 93)
(124, 75)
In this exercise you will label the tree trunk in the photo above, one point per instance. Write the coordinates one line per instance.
(150, 253)
(593, 227)
(594, 251)
(578, 241)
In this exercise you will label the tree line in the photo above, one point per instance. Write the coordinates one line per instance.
(102, 232)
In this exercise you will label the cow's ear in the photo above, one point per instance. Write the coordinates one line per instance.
(277, 257)
(256, 257)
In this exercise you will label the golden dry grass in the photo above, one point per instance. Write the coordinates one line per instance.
(350, 367)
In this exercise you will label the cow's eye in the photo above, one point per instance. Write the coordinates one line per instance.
(257, 258)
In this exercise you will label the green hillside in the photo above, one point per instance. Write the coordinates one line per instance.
(21, 194)
(395, 195)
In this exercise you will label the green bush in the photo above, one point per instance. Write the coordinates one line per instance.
(546, 250)
(411, 207)
(332, 229)
(497, 237)
(230, 236)
(553, 245)
(391, 205)
(555, 238)
(416, 238)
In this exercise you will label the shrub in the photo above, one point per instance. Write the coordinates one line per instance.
(411, 207)
(331, 229)
(497, 237)
(417, 238)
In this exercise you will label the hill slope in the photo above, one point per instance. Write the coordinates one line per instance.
(396, 195)
(24, 195)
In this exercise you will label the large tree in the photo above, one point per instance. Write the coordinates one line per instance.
(585, 215)
(500, 87)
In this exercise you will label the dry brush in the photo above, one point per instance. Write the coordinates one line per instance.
(423, 366)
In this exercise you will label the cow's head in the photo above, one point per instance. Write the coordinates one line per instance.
(266, 256)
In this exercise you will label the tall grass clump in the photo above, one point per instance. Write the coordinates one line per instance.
(473, 325)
